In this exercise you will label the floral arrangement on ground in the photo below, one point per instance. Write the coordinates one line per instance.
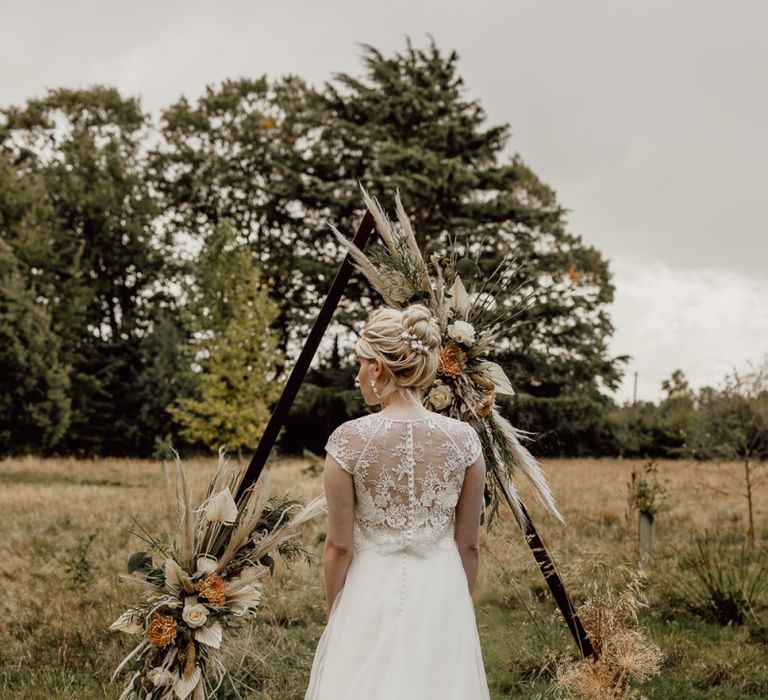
(200, 589)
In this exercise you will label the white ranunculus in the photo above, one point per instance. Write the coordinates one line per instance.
(194, 614)
(221, 508)
(462, 332)
(210, 635)
(440, 396)
(206, 564)
(127, 623)
(159, 676)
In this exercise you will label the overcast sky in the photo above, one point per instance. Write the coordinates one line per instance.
(647, 118)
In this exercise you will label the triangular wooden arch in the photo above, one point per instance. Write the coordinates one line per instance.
(277, 419)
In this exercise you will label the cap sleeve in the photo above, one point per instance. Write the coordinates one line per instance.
(472, 446)
(344, 445)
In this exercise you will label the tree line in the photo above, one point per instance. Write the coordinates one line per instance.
(158, 275)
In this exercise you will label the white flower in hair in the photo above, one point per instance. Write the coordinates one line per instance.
(415, 343)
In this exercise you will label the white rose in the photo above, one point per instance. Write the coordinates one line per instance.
(195, 615)
(439, 397)
(462, 332)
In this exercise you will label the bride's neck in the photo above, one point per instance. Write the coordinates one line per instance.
(397, 403)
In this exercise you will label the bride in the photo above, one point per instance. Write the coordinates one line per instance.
(404, 488)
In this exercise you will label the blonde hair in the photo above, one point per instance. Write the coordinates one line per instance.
(406, 369)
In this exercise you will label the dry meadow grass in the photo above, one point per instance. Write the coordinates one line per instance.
(65, 538)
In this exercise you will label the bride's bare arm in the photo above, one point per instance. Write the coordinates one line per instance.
(468, 510)
(337, 554)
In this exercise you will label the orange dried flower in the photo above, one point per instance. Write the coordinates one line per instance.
(452, 361)
(482, 381)
(161, 630)
(213, 589)
(485, 404)
(189, 662)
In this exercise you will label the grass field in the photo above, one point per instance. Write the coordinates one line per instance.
(64, 541)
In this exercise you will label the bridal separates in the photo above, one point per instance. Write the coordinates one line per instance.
(403, 627)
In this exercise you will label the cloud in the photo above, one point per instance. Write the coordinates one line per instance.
(704, 321)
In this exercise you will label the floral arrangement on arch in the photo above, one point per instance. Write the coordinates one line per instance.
(199, 590)
(471, 322)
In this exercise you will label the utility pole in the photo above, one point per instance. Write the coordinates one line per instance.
(634, 392)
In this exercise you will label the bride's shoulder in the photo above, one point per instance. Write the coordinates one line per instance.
(448, 420)
(453, 426)
(358, 425)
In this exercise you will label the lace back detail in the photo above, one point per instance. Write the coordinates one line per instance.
(408, 476)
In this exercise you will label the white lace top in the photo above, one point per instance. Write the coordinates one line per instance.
(408, 476)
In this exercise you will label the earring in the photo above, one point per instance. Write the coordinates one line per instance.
(375, 390)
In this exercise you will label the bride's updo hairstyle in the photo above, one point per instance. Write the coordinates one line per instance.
(410, 364)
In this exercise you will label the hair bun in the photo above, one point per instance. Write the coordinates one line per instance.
(410, 364)
(420, 321)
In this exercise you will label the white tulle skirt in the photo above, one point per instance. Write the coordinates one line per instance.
(402, 628)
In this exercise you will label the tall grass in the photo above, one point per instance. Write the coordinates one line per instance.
(65, 538)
